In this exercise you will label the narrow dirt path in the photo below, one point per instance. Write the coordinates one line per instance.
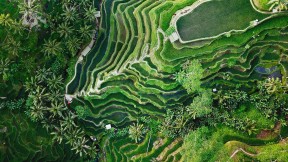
(245, 152)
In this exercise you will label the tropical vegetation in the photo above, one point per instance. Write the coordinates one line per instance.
(105, 81)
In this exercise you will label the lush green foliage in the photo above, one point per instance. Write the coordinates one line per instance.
(191, 75)
(82, 112)
(136, 131)
(128, 80)
(274, 152)
(201, 105)
(200, 145)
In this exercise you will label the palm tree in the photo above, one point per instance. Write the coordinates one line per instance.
(36, 111)
(86, 32)
(65, 30)
(81, 147)
(29, 7)
(30, 10)
(90, 13)
(51, 47)
(55, 96)
(13, 46)
(38, 94)
(73, 45)
(47, 124)
(70, 13)
(4, 66)
(68, 122)
(136, 132)
(93, 151)
(31, 85)
(57, 109)
(17, 27)
(5, 20)
(73, 135)
(55, 82)
(66, 2)
(272, 85)
(84, 3)
(279, 5)
(43, 74)
(58, 134)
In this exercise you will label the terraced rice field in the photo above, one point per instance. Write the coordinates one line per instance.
(129, 72)
(214, 18)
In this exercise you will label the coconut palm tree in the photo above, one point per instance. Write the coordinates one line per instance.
(52, 47)
(55, 96)
(17, 27)
(90, 13)
(67, 2)
(86, 32)
(55, 82)
(42, 74)
(68, 122)
(31, 84)
(84, 3)
(47, 124)
(5, 20)
(81, 147)
(73, 45)
(36, 111)
(12, 46)
(57, 109)
(39, 94)
(70, 13)
(279, 5)
(136, 132)
(73, 135)
(70, 139)
(65, 30)
(272, 85)
(58, 134)
(93, 151)
(4, 66)
(29, 7)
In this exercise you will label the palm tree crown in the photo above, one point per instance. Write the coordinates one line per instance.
(90, 13)
(136, 132)
(86, 31)
(55, 82)
(70, 13)
(51, 47)
(5, 20)
(73, 45)
(65, 30)
(4, 64)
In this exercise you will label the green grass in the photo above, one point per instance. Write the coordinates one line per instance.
(249, 111)
(216, 17)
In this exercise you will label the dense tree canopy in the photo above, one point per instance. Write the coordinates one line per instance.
(190, 76)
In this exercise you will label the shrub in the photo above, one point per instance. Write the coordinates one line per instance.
(15, 104)
(82, 112)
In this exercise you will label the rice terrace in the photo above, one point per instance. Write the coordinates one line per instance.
(208, 19)
(144, 80)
